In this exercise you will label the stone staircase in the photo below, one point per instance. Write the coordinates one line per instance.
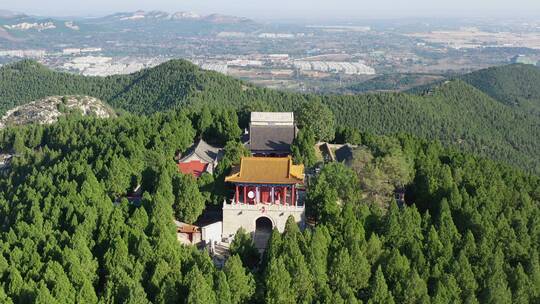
(260, 238)
(221, 254)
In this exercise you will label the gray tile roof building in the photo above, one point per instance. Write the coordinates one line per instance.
(271, 133)
(271, 139)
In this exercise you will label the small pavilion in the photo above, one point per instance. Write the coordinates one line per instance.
(266, 180)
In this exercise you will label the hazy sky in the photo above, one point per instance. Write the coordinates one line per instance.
(286, 9)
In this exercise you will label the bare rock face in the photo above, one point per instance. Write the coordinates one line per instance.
(49, 109)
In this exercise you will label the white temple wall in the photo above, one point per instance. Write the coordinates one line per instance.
(239, 215)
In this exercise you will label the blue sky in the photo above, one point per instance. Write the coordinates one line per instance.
(287, 9)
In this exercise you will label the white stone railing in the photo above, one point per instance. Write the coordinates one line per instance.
(231, 205)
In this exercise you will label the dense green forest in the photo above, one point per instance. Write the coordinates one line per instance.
(395, 82)
(471, 231)
(455, 113)
(516, 84)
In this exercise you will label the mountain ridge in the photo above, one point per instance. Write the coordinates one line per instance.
(179, 15)
(514, 84)
(453, 112)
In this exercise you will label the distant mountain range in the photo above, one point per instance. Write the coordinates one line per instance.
(165, 16)
(9, 14)
(40, 30)
(471, 116)
(15, 21)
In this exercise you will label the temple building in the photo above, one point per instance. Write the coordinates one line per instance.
(199, 159)
(267, 190)
(271, 133)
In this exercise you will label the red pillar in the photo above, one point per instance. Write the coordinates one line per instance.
(237, 195)
(245, 194)
(293, 195)
(284, 195)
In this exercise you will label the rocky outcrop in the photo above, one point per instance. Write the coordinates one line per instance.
(49, 109)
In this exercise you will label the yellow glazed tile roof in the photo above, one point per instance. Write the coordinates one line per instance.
(267, 170)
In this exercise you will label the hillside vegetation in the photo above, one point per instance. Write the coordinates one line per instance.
(455, 112)
(394, 82)
(516, 84)
(471, 233)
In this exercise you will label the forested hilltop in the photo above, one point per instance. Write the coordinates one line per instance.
(516, 84)
(470, 234)
(455, 112)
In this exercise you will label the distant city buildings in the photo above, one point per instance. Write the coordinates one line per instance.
(231, 35)
(245, 62)
(23, 53)
(341, 28)
(78, 51)
(217, 67)
(523, 60)
(349, 68)
(105, 66)
(276, 35)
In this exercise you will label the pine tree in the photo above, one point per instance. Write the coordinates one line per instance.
(295, 263)
(317, 117)
(522, 286)
(244, 247)
(496, 287)
(18, 144)
(278, 284)
(374, 249)
(241, 282)
(200, 291)
(348, 135)
(464, 275)
(448, 232)
(434, 250)
(119, 176)
(345, 275)
(397, 268)
(204, 121)
(379, 293)
(446, 290)
(44, 296)
(223, 292)
(317, 257)
(533, 271)
(273, 250)
(189, 202)
(392, 226)
(303, 148)
(414, 289)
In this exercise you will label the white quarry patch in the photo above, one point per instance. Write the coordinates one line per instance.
(134, 17)
(29, 26)
(185, 15)
(71, 25)
(49, 109)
